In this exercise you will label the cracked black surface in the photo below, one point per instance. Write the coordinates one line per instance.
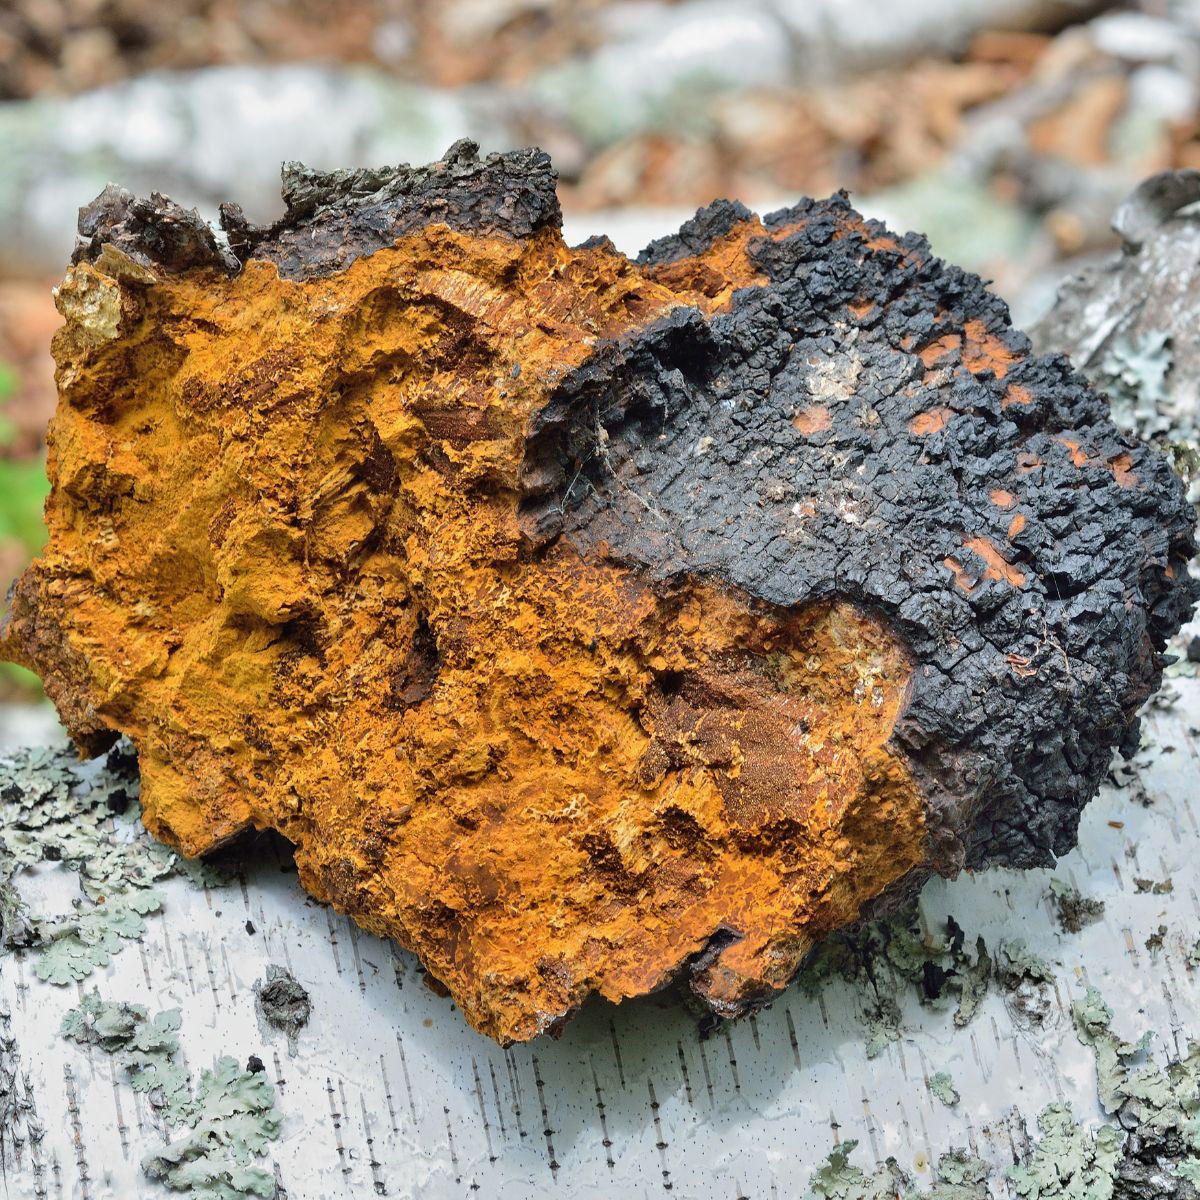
(674, 452)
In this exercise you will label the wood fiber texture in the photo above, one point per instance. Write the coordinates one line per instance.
(586, 622)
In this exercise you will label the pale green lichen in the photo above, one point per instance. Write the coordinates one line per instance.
(81, 815)
(70, 948)
(1155, 887)
(891, 955)
(883, 1025)
(146, 1047)
(231, 1116)
(943, 1089)
(1189, 1170)
(1134, 372)
(838, 1179)
(959, 1176)
(19, 1122)
(84, 818)
(972, 975)
(1026, 981)
(895, 952)
(16, 928)
(1068, 1163)
(1149, 1150)
(233, 1119)
(1158, 1104)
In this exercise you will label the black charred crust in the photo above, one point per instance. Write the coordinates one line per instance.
(675, 450)
(154, 232)
(334, 217)
(696, 235)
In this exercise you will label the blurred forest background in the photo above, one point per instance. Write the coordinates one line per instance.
(1007, 130)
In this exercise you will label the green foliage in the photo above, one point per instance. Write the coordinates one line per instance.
(23, 491)
(20, 679)
(9, 380)
(23, 486)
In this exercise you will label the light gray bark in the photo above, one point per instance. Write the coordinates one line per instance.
(1130, 323)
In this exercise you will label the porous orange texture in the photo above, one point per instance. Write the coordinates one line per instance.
(285, 560)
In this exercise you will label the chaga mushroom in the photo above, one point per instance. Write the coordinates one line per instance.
(587, 622)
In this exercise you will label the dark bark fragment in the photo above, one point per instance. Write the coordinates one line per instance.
(153, 232)
(333, 217)
(283, 1003)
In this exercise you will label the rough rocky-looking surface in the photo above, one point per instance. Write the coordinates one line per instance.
(585, 621)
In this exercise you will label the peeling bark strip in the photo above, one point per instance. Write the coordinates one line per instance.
(587, 622)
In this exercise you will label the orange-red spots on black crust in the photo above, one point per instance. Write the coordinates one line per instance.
(980, 351)
(939, 349)
(1074, 447)
(961, 578)
(998, 567)
(983, 351)
(813, 420)
(1121, 467)
(1016, 396)
(723, 267)
(932, 421)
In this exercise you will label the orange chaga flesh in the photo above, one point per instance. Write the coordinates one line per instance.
(285, 561)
